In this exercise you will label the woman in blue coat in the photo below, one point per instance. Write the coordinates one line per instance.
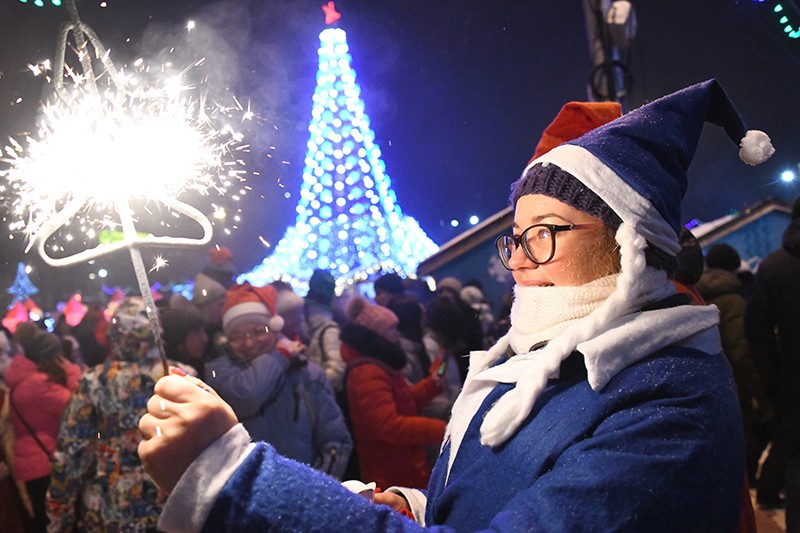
(607, 406)
(279, 396)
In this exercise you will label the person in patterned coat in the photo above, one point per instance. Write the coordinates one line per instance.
(98, 482)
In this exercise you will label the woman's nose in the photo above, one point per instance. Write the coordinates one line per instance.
(518, 259)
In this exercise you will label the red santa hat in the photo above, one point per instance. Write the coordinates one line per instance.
(245, 302)
(220, 256)
(573, 120)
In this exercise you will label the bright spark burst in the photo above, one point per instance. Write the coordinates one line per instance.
(150, 135)
(158, 263)
(41, 68)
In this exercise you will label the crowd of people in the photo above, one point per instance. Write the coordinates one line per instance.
(331, 381)
(633, 384)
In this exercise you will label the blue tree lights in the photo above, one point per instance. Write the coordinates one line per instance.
(348, 219)
(22, 288)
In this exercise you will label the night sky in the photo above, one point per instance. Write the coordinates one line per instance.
(457, 93)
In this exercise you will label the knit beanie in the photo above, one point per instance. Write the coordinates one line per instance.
(245, 302)
(206, 289)
(375, 317)
(472, 295)
(723, 256)
(449, 282)
(391, 283)
(43, 346)
(25, 331)
(556, 183)
(321, 287)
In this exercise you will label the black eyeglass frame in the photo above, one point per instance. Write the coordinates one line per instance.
(521, 241)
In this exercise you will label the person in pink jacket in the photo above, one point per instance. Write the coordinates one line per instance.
(40, 381)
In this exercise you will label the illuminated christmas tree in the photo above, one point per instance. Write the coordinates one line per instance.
(22, 288)
(348, 220)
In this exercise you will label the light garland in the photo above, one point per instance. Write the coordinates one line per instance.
(793, 32)
(790, 29)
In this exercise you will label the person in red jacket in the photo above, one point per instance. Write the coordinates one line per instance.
(390, 435)
(40, 381)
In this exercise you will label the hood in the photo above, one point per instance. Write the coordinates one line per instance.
(791, 238)
(19, 369)
(716, 282)
(370, 344)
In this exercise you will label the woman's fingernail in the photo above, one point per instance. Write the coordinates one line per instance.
(177, 370)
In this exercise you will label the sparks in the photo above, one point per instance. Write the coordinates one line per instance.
(40, 68)
(149, 136)
(158, 264)
(144, 141)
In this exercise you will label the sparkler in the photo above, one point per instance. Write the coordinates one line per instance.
(100, 150)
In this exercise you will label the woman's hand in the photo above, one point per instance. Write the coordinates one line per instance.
(183, 418)
(393, 500)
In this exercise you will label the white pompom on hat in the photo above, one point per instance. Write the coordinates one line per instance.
(245, 302)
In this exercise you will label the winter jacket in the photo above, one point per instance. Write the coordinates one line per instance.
(288, 403)
(723, 289)
(390, 435)
(773, 314)
(41, 403)
(97, 468)
(658, 449)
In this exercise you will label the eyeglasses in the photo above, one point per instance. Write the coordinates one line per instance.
(537, 241)
(257, 335)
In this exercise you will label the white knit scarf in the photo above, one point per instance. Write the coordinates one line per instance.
(540, 313)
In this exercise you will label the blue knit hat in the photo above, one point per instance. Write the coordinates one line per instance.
(638, 163)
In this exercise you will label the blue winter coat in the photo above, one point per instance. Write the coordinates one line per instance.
(289, 405)
(659, 448)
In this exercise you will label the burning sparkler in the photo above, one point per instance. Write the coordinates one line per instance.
(100, 152)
